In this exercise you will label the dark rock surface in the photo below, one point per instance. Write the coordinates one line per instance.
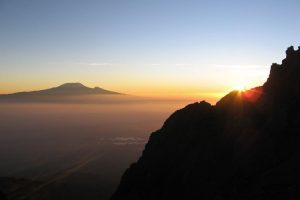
(247, 146)
(2, 196)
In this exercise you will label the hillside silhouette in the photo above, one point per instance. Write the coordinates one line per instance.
(244, 147)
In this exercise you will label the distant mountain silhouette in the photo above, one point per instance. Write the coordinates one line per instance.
(247, 146)
(65, 90)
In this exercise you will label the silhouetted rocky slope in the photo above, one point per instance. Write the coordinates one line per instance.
(245, 147)
(2, 196)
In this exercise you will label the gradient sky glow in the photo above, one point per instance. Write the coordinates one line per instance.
(144, 47)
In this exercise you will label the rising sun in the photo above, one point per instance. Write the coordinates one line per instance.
(240, 87)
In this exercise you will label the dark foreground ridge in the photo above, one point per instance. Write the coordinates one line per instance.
(245, 147)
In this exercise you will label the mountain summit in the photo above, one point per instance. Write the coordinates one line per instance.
(75, 89)
(72, 85)
(247, 146)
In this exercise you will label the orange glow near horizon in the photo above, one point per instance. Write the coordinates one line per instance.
(156, 91)
(192, 86)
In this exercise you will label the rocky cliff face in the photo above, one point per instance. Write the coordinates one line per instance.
(245, 147)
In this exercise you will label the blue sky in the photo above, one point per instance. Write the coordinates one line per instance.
(144, 46)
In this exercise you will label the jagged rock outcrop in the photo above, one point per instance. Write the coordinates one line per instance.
(247, 146)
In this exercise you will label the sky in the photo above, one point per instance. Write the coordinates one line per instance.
(144, 47)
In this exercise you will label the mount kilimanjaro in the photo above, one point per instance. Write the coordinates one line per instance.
(245, 147)
(64, 92)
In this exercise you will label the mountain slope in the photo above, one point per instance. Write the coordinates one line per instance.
(245, 147)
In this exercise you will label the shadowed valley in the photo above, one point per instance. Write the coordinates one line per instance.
(72, 144)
